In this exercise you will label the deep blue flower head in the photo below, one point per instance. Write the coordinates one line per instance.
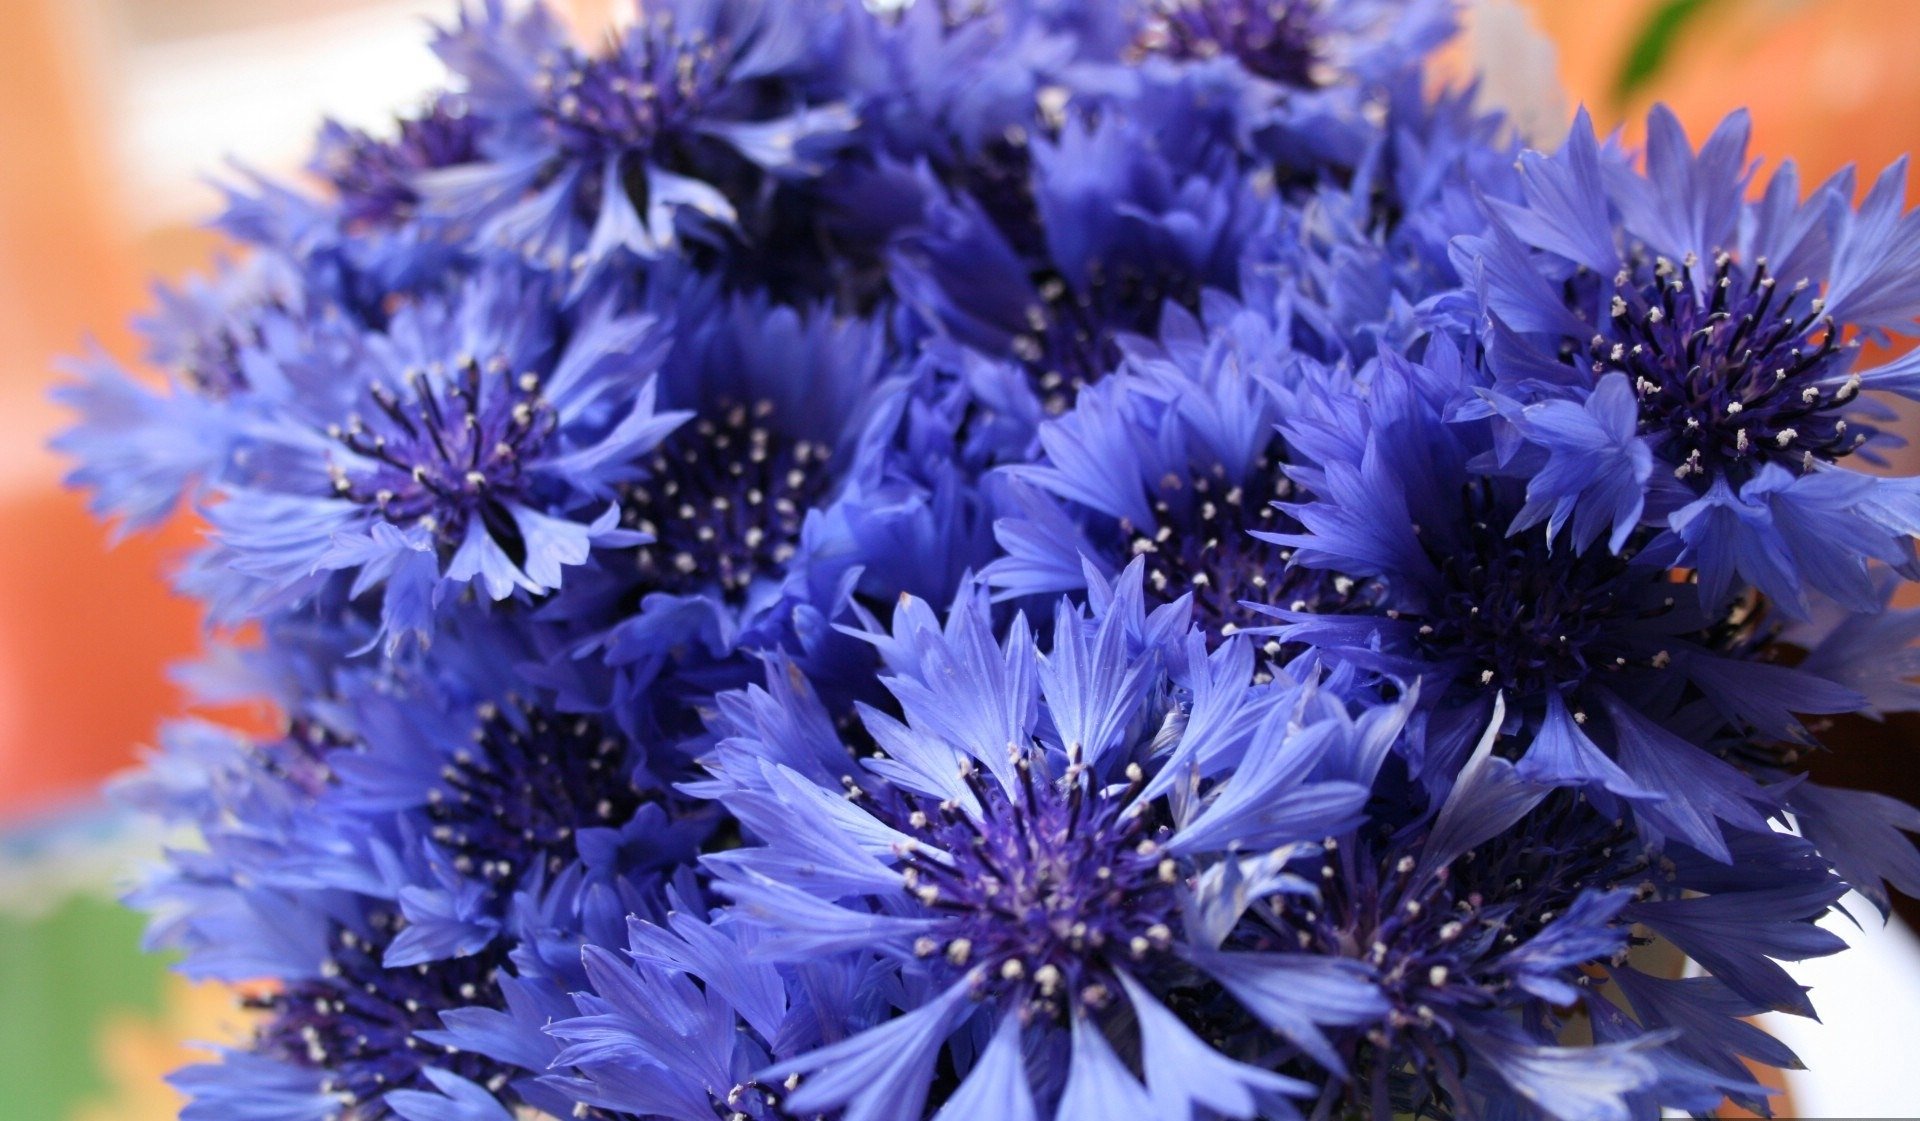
(797, 479)
(1486, 907)
(1112, 227)
(1071, 190)
(667, 134)
(1492, 916)
(1593, 651)
(1299, 45)
(373, 177)
(128, 437)
(477, 439)
(1281, 42)
(418, 859)
(1035, 847)
(272, 896)
(1723, 334)
(1174, 459)
(1371, 261)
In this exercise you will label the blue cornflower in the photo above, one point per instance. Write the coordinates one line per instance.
(478, 438)
(1298, 44)
(1479, 910)
(1174, 459)
(1037, 846)
(760, 514)
(1112, 225)
(1594, 651)
(667, 134)
(1280, 42)
(1370, 264)
(288, 892)
(1061, 198)
(416, 870)
(1489, 918)
(1658, 327)
(373, 178)
(1306, 81)
(128, 439)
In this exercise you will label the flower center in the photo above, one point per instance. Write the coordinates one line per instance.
(1070, 341)
(1436, 944)
(445, 448)
(1046, 890)
(624, 100)
(530, 781)
(373, 177)
(1276, 39)
(725, 501)
(1203, 542)
(358, 1020)
(1528, 615)
(1741, 374)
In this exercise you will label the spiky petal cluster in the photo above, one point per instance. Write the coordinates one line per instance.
(1438, 559)
(1700, 349)
(1041, 844)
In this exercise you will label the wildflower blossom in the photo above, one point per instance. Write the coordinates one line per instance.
(1175, 459)
(1044, 883)
(474, 440)
(1657, 326)
(405, 854)
(1590, 648)
(639, 147)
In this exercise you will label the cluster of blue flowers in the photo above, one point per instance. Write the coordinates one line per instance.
(1016, 559)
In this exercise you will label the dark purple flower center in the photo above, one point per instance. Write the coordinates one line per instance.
(654, 82)
(1202, 542)
(1047, 891)
(1435, 942)
(1276, 39)
(530, 781)
(1522, 614)
(444, 448)
(1731, 372)
(725, 499)
(1071, 337)
(358, 1021)
(374, 177)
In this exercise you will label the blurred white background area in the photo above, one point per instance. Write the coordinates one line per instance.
(1863, 1056)
(191, 85)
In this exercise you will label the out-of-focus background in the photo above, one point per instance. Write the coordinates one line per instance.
(114, 114)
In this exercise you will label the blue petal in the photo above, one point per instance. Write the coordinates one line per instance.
(996, 1087)
(882, 1073)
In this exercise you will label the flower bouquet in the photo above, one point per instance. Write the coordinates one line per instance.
(1015, 559)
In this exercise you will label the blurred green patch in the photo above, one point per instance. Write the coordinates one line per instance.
(1653, 48)
(62, 976)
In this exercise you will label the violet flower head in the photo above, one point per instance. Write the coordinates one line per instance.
(1036, 890)
(1591, 652)
(1655, 326)
(662, 136)
(1281, 41)
(1176, 459)
(475, 439)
